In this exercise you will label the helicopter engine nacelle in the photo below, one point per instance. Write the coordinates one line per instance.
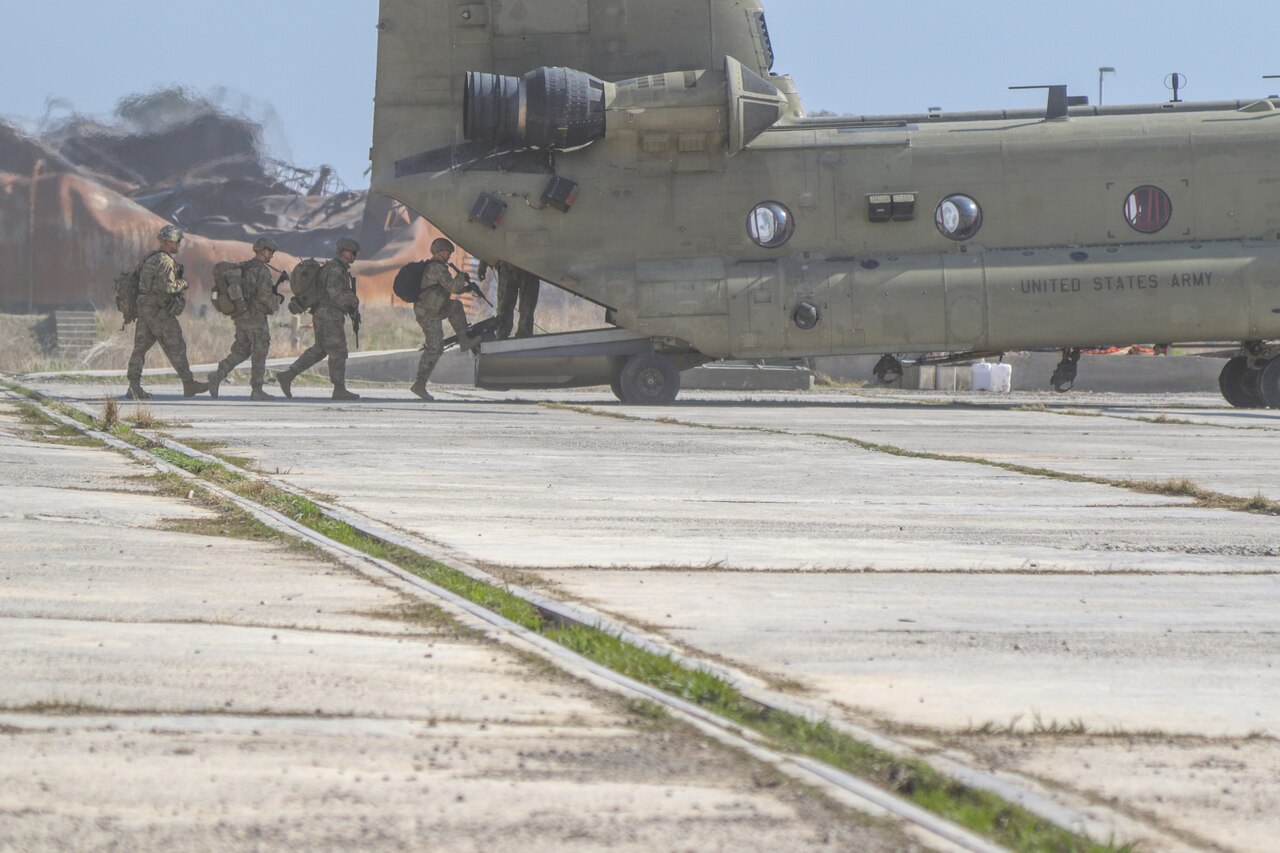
(552, 108)
(562, 109)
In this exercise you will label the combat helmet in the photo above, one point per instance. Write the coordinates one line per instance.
(171, 234)
(442, 245)
(346, 244)
(265, 243)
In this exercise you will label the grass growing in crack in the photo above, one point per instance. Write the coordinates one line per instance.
(228, 522)
(212, 471)
(218, 449)
(1165, 419)
(110, 414)
(423, 615)
(41, 429)
(144, 418)
(650, 712)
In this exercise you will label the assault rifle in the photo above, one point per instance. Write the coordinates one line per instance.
(282, 280)
(356, 319)
(472, 287)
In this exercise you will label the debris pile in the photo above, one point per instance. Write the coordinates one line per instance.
(82, 199)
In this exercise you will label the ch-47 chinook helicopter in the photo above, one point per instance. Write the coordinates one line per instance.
(643, 155)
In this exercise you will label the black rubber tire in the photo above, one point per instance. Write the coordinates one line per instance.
(1269, 384)
(1240, 384)
(649, 380)
(616, 387)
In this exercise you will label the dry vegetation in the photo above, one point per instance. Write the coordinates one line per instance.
(28, 344)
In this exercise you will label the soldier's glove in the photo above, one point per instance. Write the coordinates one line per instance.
(295, 307)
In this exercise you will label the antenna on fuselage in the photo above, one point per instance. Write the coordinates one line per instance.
(1177, 82)
(1060, 103)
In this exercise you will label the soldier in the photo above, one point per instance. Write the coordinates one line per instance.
(437, 304)
(514, 284)
(161, 300)
(337, 299)
(252, 320)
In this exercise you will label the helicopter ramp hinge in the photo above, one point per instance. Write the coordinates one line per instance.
(1060, 103)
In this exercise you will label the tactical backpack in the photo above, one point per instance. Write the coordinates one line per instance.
(228, 287)
(126, 289)
(305, 281)
(127, 285)
(408, 286)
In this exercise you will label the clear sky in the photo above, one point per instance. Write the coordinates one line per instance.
(312, 61)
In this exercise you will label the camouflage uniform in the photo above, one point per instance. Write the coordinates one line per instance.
(161, 298)
(435, 305)
(253, 329)
(514, 284)
(337, 299)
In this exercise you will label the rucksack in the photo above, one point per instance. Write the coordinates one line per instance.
(228, 287)
(305, 281)
(126, 287)
(408, 286)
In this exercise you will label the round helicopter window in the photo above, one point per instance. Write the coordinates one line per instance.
(806, 316)
(959, 218)
(770, 225)
(1148, 209)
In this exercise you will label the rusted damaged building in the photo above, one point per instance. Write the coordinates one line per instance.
(85, 201)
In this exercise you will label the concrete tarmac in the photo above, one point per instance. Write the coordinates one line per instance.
(1046, 626)
(172, 679)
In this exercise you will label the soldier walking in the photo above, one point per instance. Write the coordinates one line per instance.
(161, 300)
(336, 299)
(516, 285)
(252, 321)
(435, 305)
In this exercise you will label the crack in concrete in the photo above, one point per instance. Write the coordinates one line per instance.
(1196, 496)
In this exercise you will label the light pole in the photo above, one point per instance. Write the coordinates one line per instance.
(1102, 73)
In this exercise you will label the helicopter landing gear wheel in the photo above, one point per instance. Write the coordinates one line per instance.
(1240, 384)
(1064, 376)
(616, 387)
(649, 380)
(890, 370)
(1268, 383)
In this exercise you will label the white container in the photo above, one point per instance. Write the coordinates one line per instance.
(1002, 378)
(980, 376)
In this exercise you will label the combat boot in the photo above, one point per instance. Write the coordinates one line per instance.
(215, 383)
(468, 342)
(419, 390)
(135, 392)
(260, 396)
(191, 388)
(286, 383)
(340, 392)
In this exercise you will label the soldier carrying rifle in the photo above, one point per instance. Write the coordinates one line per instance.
(441, 281)
(161, 299)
